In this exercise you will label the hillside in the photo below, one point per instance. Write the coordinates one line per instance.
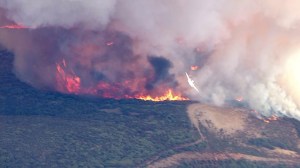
(40, 128)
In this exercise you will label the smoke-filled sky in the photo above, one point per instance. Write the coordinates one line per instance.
(245, 48)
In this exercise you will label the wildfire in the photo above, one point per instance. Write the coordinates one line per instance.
(272, 118)
(13, 26)
(266, 119)
(194, 68)
(239, 99)
(68, 82)
(168, 96)
(110, 43)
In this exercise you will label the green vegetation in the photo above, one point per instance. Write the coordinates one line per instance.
(84, 134)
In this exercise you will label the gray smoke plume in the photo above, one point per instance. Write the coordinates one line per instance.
(246, 48)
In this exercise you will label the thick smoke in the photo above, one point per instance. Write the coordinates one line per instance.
(246, 48)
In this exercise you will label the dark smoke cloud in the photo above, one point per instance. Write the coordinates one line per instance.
(246, 48)
(162, 75)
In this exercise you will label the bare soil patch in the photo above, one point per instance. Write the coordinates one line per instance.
(230, 120)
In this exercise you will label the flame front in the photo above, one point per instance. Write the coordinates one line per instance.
(68, 83)
(168, 96)
(272, 118)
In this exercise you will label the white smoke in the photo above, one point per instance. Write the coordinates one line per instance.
(248, 41)
(65, 13)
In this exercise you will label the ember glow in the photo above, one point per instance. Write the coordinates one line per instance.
(273, 118)
(110, 43)
(270, 119)
(194, 68)
(67, 82)
(13, 26)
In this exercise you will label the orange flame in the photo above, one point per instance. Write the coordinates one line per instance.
(13, 26)
(272, 118)
(266, 119)
(194, 68)
(69, 83)
(168, 96)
